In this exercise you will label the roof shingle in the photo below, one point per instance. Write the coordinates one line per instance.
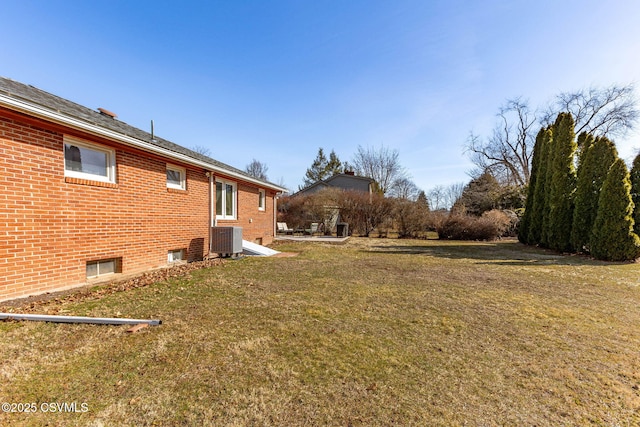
(21, 91)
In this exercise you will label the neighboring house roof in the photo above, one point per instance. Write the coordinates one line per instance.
(36, 102)
(351, 182)
(343, 181)
(316, 186)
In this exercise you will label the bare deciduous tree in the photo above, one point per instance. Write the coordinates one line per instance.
(282, 184)
(610, 111)
(200, 149)
(404, 188)
(452, 193)
(382, 165)
(257, 169)
(437, 197)
(441, 197)
(364, 212)
(507, 153)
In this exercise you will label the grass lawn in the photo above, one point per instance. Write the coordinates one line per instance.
(372, 332)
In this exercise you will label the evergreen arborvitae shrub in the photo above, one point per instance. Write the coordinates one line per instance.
(613, 238)
(596, 158)
(524, 229)
(584, 141)
(563, 184)
(540, 219)
(635, 192)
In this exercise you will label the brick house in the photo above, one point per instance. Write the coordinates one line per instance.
(84, 195)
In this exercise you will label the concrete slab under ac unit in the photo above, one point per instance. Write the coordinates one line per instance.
(249, 248)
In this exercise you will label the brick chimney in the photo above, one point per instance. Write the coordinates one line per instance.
(107, 113)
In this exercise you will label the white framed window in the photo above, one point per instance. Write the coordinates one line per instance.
(175, 255)
(262, 199)
(102, 267)
(176, 177)
(89, 161)
(226, 199)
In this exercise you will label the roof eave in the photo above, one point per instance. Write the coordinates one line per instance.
(62, 119)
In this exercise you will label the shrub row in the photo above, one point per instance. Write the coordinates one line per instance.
(362, 211)
(490, 226)
(589, 210)
(409, 219)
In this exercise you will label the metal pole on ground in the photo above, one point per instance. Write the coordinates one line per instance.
(78, 319)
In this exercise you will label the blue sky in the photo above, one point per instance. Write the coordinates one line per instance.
(276, 80)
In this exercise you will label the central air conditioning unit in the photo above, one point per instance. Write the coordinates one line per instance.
(226, 241)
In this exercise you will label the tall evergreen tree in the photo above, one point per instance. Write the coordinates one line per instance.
(481, 194)
(334, 165)
(584, 141)
(635, 192)
(597, 157)
(539, 202)
(316, 172)
(546, 189)
(422, 200)
(524, 229)
(322, 168)
(563, 184)
(613, 238)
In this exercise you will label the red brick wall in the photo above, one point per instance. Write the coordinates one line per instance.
(51, 226)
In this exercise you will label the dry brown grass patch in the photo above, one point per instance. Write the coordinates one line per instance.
(373, 332)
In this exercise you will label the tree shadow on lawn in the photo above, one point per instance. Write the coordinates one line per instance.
(511, 253)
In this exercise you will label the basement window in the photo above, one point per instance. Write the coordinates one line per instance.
(103, 267)
(175, 255)
(85, 160)
(176, 177)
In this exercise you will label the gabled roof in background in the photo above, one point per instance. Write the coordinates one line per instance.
(337, 181)
(313, 186)
(348, 176)
(30, 100)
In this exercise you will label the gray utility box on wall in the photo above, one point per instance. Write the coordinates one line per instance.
(226, 241)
